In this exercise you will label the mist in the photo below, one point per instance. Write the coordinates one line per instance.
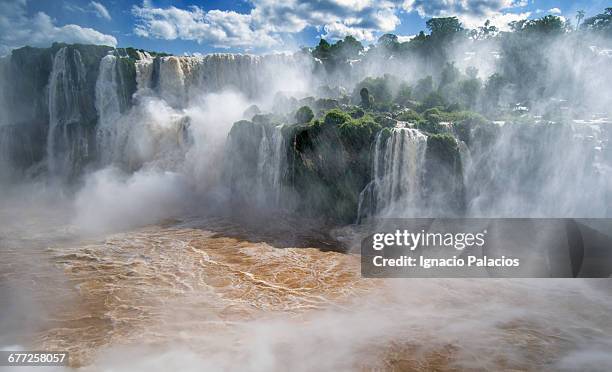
(203, 212)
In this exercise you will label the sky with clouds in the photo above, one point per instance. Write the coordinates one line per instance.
(187, 26)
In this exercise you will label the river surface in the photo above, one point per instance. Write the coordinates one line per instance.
(218, 293)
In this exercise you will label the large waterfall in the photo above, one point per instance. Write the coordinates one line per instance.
(512, 170)
(68, 142)
(111, 131)
(398, 168)
(126, 108)
(98, 106)
(179, 80)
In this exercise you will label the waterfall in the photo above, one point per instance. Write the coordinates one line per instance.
(398, 165)
(5, 138)
(539, 170)
(270, 162)
(6, 163)
(67, 141)
(108, 106)
(178, 80)
(144, 71)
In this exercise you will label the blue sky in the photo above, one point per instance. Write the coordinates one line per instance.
(187, 26)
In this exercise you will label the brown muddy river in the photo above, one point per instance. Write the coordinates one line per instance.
(212, 294)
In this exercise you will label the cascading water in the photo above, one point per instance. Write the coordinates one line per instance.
(110, 132)
(178, 80)
(5, 138)
(144, 71)
(67, 141)
(538, 170)
(398, 168)
(271, 161)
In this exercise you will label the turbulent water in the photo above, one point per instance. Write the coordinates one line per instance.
(146, 140)
(223, 294)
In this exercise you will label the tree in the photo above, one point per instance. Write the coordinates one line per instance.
(322, 50)
(338, 53)
(404, 94)
(365, 98)
(549, 24)
(469, 91)
(304, 115)
(450, 74)
(484, 32)
(601, 22)
(388, 41)
(434, 99)
(493, 89)
(380, 88)
(444, 28)
(579, 17)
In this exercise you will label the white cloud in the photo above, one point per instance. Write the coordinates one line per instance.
(554, 11)
(100, 10)
(220, 28)
(18, 29)
(499, 20)
(263, 25)
(472, 13)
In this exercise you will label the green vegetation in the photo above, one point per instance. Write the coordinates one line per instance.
(600, 23)
(304, 115)
(523, 72)
(444, 145)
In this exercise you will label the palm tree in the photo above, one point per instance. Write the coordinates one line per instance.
(579, 17)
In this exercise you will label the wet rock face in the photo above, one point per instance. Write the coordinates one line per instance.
(255, 166)
(46, 87)
(311, 168)
(328, 168)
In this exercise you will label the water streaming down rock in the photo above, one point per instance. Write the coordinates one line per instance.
(255, 163)
(144, 71)
(271, 163)
(108, 104)
(136, 109)
(81, 100)
(179, 80)
(398, 167)
(68, 141)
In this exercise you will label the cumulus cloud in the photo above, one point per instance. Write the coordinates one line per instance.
(338, 18)
(219, 28)
(100, 10)
(18, 29)
(264, 24)
(554, 11)
(472, 13)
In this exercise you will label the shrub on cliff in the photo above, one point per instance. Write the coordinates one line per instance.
(336, 117)
(410, 116)
(444, 146)
(464, 126)
(304, 115)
